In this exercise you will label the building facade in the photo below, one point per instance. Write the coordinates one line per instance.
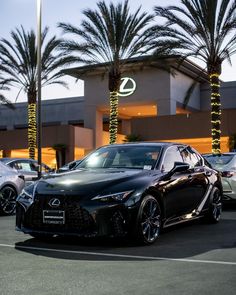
(152, 104)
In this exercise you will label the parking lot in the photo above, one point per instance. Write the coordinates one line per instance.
(194, 258)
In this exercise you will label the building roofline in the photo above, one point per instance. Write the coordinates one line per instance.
(187, 67)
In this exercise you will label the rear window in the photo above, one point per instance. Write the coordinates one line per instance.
(4, 168)
(219, 161)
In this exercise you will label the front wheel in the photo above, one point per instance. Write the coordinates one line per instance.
(7, 200)
(215, 208)
(148, 221)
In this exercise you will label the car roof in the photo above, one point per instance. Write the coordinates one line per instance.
(158, 143)
(15, 159)
(222, 154)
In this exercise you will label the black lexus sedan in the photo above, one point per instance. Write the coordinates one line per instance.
(123, 189)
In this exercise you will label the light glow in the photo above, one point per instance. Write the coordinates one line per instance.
(202, 144)
(32, 129)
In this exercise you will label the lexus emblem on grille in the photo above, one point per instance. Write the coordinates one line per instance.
(54, 203)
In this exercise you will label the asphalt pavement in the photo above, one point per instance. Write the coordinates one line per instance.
(191, 259)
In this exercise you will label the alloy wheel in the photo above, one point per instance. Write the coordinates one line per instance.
(150, 220)
(7, 200)
(216, 206)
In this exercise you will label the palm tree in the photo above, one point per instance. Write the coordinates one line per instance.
(205, 29)
(19, 64)
(109, 35)
(3, 87)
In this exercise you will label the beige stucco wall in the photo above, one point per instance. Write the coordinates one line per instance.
(182, 126)
(83, 138)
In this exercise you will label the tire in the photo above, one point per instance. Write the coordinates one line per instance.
(7, 200)
(148, 223)
(215, 208)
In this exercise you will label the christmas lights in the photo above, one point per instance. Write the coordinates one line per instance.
(214, 75)
(32, 129)
(215, 112)
(113, 116)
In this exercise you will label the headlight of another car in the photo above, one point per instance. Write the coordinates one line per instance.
(115, 197)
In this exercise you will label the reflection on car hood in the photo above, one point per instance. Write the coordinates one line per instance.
(87, 180)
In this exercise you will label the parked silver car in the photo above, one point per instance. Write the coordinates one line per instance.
(11, 185)
(26, 167)
(226, 164)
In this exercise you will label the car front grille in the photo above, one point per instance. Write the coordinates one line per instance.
(77, 219)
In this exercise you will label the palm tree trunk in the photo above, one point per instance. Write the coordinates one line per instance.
(215, 112)
(114, 85)
(32, 127)
(114, 101)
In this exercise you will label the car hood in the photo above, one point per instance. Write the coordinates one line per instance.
(89, 181)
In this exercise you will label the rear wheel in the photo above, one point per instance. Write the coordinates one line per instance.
(215, 209)
(7, 200)
(148, 221)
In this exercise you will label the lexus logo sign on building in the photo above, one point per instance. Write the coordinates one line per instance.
(127, 86)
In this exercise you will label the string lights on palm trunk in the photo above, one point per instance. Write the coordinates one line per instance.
(215, 113)
(114, 99)
(32, 129)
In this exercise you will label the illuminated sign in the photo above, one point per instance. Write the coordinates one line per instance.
(127, 86)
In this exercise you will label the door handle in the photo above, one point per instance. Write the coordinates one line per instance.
(190, 176)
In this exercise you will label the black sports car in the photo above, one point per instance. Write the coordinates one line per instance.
(133, 189)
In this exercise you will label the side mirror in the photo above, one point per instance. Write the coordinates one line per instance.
(179, 167)
(227, 174)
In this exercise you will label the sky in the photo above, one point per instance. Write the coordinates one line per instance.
(14, 13)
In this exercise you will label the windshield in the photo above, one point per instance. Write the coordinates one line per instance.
(133, 157)
(219, 161)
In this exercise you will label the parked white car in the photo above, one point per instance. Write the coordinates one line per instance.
(11, 185)
(226, 164)
(26, 167)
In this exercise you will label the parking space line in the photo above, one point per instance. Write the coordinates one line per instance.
(117, 255)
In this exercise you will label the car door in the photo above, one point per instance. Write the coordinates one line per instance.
(182, 190)
(199, 182)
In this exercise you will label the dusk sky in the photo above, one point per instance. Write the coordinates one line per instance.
(14, 13)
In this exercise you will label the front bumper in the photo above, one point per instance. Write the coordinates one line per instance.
(81, 220)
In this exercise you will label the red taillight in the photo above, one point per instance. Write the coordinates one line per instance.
(227, 174)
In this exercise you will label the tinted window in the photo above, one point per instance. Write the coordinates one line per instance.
(172, 155)
(190, 157)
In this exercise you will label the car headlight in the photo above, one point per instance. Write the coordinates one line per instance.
(115, 197)
(27, 194)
